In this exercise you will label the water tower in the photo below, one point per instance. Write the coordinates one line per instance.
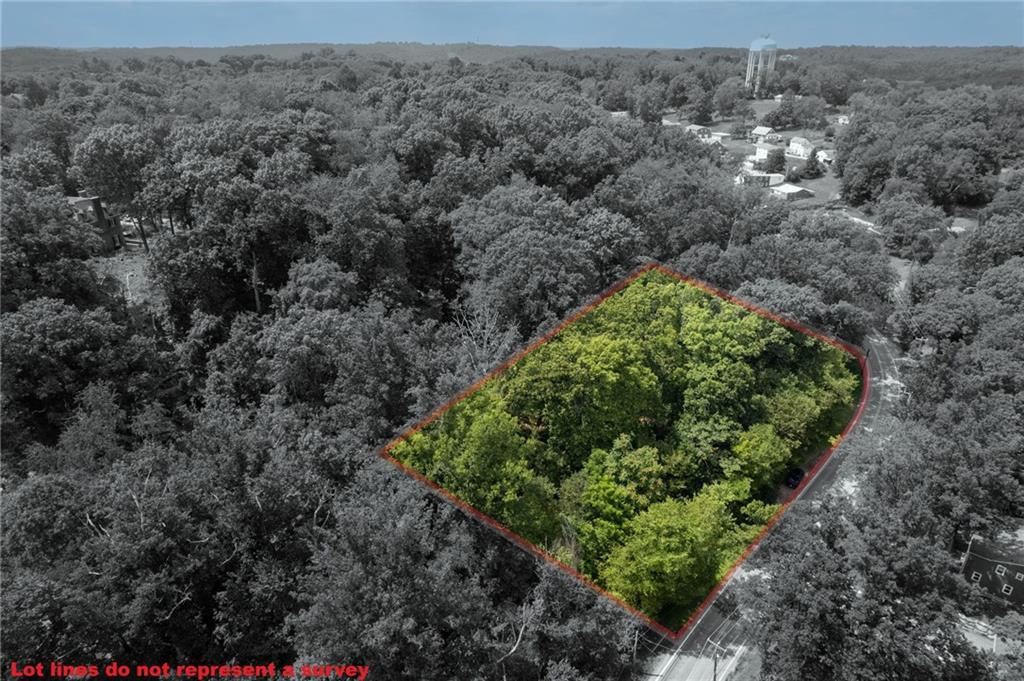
(760, 62)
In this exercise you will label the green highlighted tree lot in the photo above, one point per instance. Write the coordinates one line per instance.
(643, 445)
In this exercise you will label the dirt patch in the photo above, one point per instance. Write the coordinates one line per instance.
(128, 269)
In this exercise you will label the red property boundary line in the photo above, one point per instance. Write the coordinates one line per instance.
(385, 452)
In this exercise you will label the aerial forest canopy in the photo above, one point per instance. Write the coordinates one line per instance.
(642, 444)
(341, 240)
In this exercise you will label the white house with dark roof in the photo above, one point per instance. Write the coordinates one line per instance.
(761, 150)
(800, 147)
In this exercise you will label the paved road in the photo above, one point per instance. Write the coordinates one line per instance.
(720, 630)
(884, 373)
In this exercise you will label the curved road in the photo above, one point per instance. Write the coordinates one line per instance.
(719, 633)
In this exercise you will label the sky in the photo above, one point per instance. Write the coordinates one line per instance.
(558, 24)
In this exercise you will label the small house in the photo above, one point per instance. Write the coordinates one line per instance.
(90, 210)
(825, 156)
(721, 136)
(800, 147)
(760, 132)
(698, 130)
(996, 568)
(761, 150)
(791, 192)
(752, 179)
(669, 121)
(842, 119)
(757, 178)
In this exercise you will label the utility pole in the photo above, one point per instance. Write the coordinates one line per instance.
(963, 563)
(718, 650)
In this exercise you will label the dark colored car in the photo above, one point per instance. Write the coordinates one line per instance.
(795, 477)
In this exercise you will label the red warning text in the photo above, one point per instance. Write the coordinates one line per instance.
(200, 672)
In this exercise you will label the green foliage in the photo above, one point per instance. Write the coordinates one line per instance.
(51, 351)
(675, 551)
(648, 103)
(812, 166)
(730, 96)
(942, 141)
(110, 162)
(43, 249)
(578, 393)
(807, 112)
(341, 242)
(703, 107)
(912, 229)
(647, 428)
(36, 167)
(776, 161)
(662, 562)
(759, 454)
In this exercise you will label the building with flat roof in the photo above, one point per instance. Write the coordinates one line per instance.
(759, 178)
(791, 192)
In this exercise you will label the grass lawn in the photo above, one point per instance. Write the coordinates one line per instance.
(826, 188)
(762, 107)
(815, 137)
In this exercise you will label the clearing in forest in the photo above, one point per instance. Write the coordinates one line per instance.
(642, 443)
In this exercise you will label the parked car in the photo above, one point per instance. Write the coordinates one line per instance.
(795, 477)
